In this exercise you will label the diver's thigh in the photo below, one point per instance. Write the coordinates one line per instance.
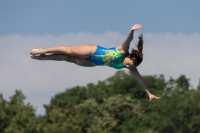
(83, 51)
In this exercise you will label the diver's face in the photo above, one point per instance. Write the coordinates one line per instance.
(128, 62)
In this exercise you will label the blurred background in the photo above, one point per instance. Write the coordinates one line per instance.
(99, 99)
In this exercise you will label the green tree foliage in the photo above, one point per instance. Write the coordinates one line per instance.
(16, 116)
(198, 87)
(177, 110)
(183, 83)
(113, 113)
(115, 105)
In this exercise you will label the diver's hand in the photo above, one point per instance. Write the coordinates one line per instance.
(136, 27)
(151, 96)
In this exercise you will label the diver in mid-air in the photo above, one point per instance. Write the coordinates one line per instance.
(90, 55)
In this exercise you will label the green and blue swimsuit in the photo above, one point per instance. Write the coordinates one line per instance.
(107, 57)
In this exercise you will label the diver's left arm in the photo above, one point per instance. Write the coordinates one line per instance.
(142, 82)
(125, 45)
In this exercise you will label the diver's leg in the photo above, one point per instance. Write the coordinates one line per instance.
(55, 57)
(64, 57)
(81, 51)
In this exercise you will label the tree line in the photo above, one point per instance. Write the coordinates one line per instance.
(115, 105)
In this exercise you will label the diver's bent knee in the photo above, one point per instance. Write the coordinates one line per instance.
(66, 50)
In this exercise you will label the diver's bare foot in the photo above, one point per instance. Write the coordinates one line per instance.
(37, 51)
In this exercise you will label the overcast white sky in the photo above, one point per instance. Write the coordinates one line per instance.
(171, 35)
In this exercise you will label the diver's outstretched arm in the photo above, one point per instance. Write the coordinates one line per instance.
(142, 82)
(129, 38)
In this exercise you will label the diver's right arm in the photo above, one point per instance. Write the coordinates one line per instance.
(142, 82)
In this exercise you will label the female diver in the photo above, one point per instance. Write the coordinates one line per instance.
(90, 55)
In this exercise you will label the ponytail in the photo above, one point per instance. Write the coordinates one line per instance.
(140, 43)
(137, 55)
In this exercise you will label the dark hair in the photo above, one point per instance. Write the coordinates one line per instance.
(137, 55)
